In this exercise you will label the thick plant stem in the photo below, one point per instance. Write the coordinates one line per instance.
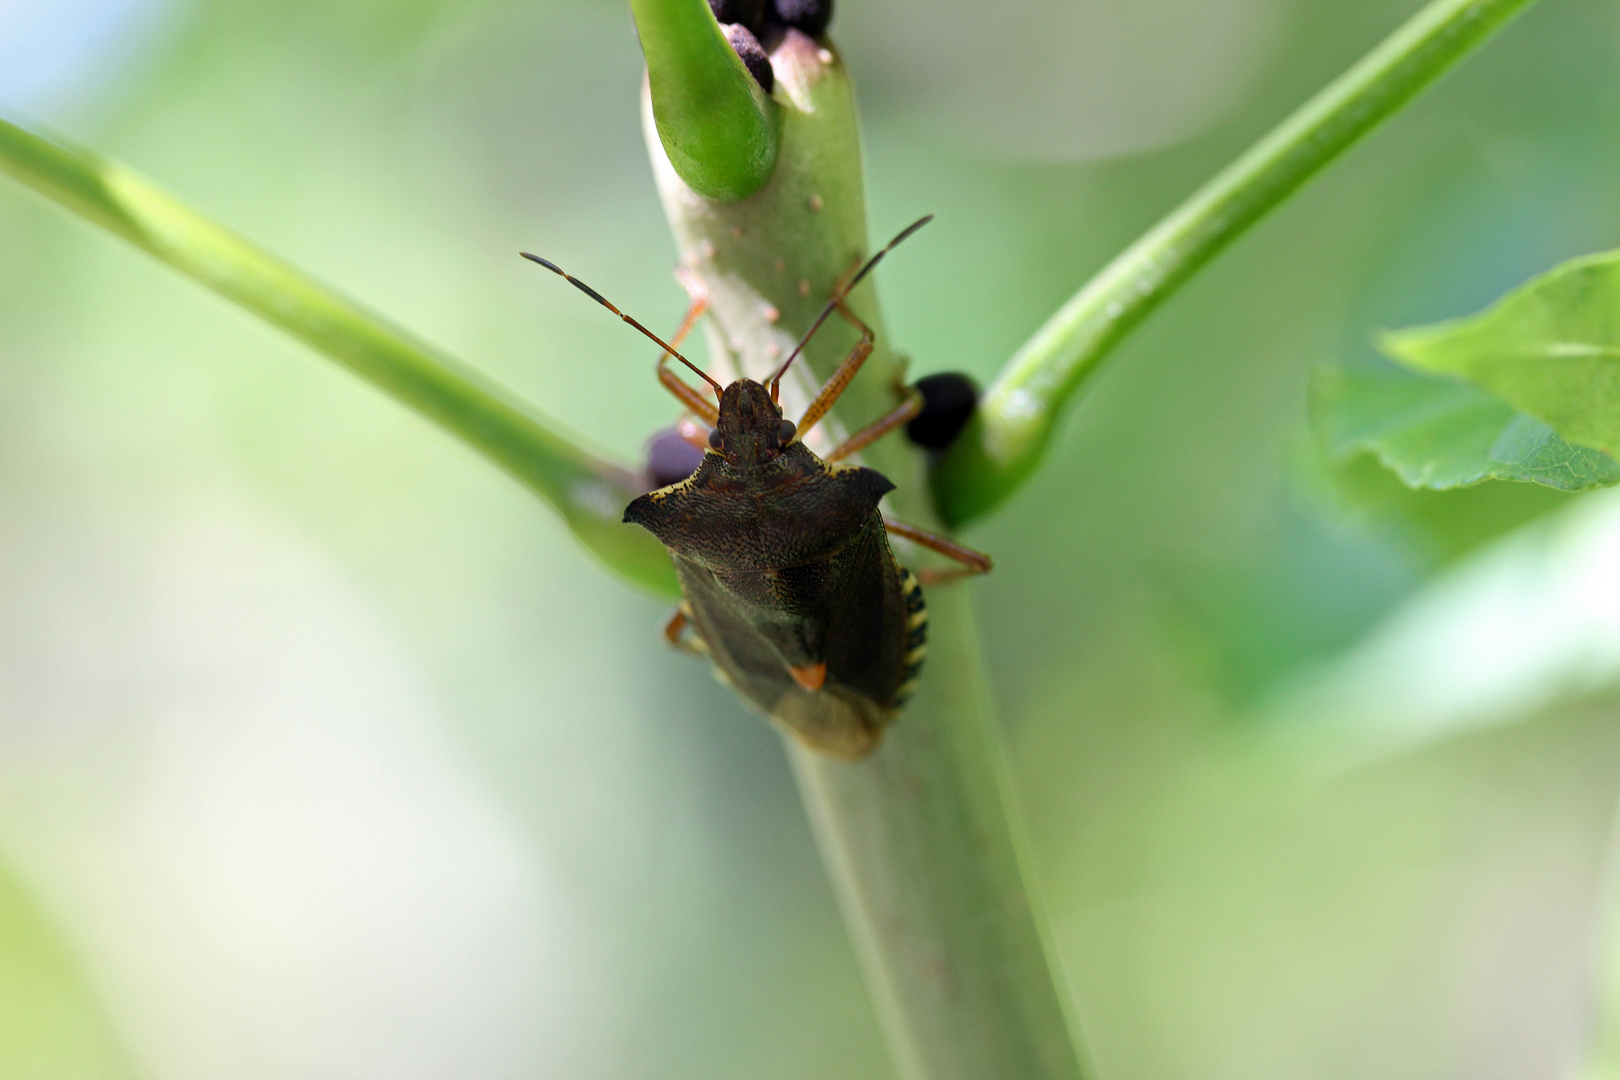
(924, 849)
(1019, 412)
(919, 837)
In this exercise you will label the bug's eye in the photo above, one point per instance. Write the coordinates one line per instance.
(714, 438)
(785, 433)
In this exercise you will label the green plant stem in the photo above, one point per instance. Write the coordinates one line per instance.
(587, 491)
(1019, 411)
(925, 848)
(717, 125)
(920, 837)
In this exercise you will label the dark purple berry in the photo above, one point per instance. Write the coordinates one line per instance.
(948, 402)
(752, 53)
(670, 458)
(750, 13)
(809, 16)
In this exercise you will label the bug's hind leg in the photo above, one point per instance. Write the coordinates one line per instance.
(675, 631)
(834, 387)
(971, 563)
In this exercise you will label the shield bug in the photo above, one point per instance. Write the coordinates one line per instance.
(789, 584)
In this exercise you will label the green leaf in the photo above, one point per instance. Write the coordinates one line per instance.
(1550, 349)
(1441, 433)
(718, 126)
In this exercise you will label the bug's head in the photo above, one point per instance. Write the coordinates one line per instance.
(751, 431)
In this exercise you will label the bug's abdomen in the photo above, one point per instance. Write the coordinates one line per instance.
(916, 635)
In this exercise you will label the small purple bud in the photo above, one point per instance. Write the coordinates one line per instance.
(752, 53)
(949, 399)
(670, 458)
(750, 13)
(809, 16)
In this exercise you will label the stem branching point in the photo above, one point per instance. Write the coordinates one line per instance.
(1006, 440)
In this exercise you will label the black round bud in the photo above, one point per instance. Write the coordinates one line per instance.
(809, 16)
(949, 399)
(785, 433)
(753, 54)
(714, 438)
(670, 458)
(750, 13)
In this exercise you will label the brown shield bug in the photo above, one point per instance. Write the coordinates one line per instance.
(790, 586)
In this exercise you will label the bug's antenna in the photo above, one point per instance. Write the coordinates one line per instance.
(719, 390)
(775, 380)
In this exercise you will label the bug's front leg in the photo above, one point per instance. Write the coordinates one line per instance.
(971, 562)
(695, 402)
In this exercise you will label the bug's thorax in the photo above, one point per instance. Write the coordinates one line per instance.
(750, 430)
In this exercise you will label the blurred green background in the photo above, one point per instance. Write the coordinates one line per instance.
(324, 753)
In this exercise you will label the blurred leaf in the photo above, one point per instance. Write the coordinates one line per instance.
(52, 1027)
(1440, 433)
(1550, 349)
(1501, 638)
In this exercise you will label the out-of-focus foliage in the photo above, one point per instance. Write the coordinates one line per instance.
(52, 1026)
(332, 755)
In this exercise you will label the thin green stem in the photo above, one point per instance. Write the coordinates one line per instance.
(587, 491)
(1018, 414)
(717, 125)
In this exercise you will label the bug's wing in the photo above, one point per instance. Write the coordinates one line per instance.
(856, 608)
(837, 719)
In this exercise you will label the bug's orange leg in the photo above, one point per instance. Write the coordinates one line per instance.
(972, 562)
(834, 388)
(840, 380)
(675, 631)
(839, 293)
(874, 431)
(696, 404)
